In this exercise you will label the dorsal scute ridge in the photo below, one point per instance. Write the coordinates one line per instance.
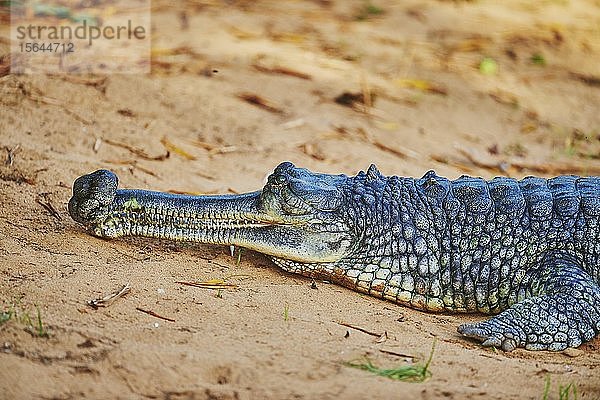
(434, 187)
(473, 193)
(506, 195)
(373, 174)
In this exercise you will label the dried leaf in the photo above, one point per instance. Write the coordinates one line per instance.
(260, 102)
(5, 63)
(589, 80)
(126, 112)
(242, 34)
(422, 85)
(506, 98)
(350, 99)
(288, 37)
(97, 144)
(173, 148)
(476, 44)
(387, 125)
(296, 123)
(223, 150)
(282, 71)
(385, 147)
(528, 127)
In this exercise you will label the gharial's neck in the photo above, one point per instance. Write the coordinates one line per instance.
(392, 218)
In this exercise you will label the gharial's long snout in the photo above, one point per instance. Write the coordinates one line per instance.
(109, 212)
(257, 220)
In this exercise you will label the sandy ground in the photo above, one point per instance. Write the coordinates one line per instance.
(428, 106)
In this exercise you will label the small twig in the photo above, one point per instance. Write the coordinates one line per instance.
(138, 152)
(149, 312)
(383, 338)
(109, 299)
(212, 284)
(358, 328)
(393, 353)
(282, 71)
(48, 206)
(10, 157)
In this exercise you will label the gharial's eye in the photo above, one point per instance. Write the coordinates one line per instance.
(280, 179)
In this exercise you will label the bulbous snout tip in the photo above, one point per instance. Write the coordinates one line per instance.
(92, 194)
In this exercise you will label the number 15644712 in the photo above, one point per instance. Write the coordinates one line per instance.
(35, 47)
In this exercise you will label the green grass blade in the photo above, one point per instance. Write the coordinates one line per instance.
(546, 388)
(404, 373)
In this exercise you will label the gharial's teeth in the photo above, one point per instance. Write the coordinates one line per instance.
(232, 250)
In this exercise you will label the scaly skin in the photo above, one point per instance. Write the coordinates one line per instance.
(525, 250)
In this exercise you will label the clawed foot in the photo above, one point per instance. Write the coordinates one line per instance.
(490, 335)
(92, 196)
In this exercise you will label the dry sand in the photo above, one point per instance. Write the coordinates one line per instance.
(274, 337)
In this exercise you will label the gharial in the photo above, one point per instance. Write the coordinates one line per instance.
(526, 251)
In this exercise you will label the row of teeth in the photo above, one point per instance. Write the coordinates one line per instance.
(173, 213)
(192, 221)
(119, 227)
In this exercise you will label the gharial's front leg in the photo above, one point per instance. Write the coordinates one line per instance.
(563, 312)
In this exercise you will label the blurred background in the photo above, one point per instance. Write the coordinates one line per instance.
(235, 87)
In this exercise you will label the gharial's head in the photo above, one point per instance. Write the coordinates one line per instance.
(300, 216)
